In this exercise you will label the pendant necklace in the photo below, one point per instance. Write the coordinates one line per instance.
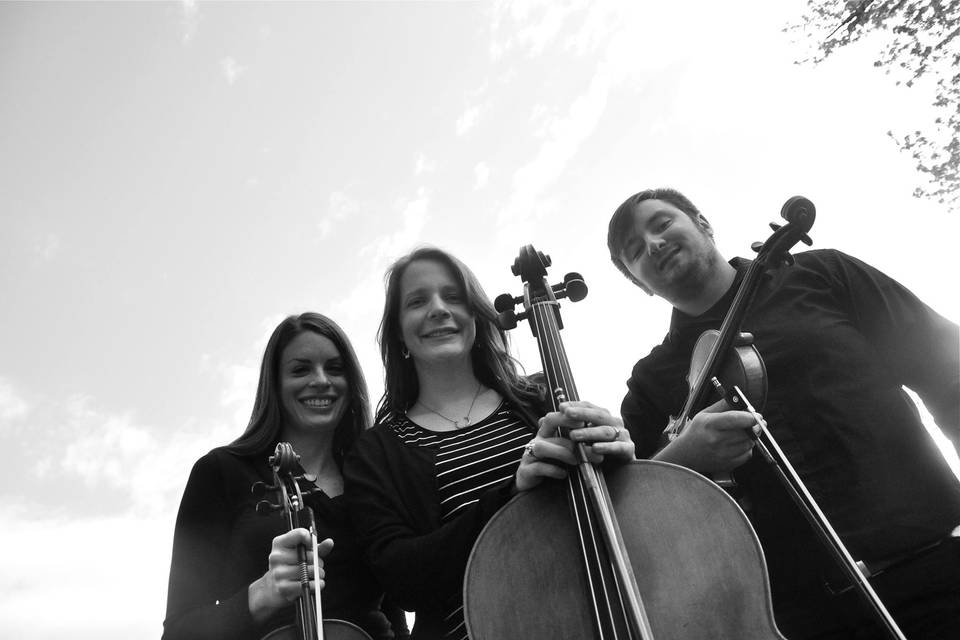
(463, 422)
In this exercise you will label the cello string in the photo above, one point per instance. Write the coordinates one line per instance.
(576, 499)
(598, 566)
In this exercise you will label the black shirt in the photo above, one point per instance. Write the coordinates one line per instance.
(221, 545)
(839, 339)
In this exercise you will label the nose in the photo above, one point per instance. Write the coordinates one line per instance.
(319, 378)
(655, 244)
(438, 308)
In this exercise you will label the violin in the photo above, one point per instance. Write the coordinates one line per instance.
(309, 623)
(646, 550)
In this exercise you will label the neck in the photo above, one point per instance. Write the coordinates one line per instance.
(704, 292)
(443, 382)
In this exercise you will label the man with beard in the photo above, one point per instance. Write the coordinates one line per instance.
(839, 340)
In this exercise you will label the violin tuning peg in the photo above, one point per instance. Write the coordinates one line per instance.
(259, 489)
(788, 260)
(805, 239)
(264, 507)
(775, 226)
(756, 246)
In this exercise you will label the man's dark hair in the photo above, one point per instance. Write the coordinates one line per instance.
(622, 219)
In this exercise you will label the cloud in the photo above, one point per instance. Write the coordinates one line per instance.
(424, 165)
(12, 406)
(467, 120)
(563, 136)
(49, 247)
(101, 552)
(231, 69)
(190, 19)
(481, 174)
(340, 206)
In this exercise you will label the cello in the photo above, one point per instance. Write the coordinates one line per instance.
(645, 550)
(309, 623)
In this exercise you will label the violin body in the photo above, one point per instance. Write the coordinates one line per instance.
(332, 630)
(697, 561)
(743, 367)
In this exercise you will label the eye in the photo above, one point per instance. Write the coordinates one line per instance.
(453, 296)
(664, 224)
(335, 368)
(415, 301)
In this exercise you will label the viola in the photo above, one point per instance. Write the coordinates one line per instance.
(643, 550)
(309, 623)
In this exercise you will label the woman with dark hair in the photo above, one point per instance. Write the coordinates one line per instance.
(311, 394)
(452, 441)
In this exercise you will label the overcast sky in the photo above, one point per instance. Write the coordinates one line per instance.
(177, 177)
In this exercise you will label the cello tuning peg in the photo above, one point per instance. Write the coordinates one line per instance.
(775, 226)
(575, 287)
(507, 319)
(756, 246)
(503, 302)
(264, 507)
(805, 239)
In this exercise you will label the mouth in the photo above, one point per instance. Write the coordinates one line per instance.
(318, 403)
(440, 333)
(667, 257)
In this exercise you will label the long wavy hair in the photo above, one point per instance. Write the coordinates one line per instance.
(266, 421)
(492, 363)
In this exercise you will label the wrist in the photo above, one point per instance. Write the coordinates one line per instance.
(260, 609)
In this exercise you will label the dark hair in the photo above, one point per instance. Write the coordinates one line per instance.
(492, 363)
(622, 220)
(263, 430)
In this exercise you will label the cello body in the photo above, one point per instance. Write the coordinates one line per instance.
(697, 562)
(332, 630)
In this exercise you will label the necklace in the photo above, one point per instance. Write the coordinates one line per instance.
(456, 423)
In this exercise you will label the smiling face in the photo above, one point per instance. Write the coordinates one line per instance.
(667, 252)
(314, 390)
(436, 323)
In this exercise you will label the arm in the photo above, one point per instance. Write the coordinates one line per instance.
(197, 607)
(715, 440)
(920, 347)
(389, 490)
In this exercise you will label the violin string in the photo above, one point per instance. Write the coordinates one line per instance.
(559, 374)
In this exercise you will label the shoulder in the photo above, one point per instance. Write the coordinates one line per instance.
(221, 471)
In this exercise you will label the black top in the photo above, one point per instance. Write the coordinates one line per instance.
(468, 462)
(839, 339)
(393, 501)
(221, 544)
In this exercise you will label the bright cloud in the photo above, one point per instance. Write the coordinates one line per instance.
(424, 165)
(190, 19)
(12, 406)
(481, 174)
(340, 206)
(231, 69)
(467, 120)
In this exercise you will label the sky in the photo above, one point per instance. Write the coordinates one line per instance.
(175, 178)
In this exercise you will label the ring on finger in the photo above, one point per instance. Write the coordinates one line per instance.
(528, 450)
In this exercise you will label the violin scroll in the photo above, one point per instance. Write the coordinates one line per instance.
(799, 211)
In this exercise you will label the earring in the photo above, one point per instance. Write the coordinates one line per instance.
(405, 353)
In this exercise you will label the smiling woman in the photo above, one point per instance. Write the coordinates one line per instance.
(312, 395)
(457, 435)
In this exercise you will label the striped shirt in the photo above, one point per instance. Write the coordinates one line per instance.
(469, 461)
